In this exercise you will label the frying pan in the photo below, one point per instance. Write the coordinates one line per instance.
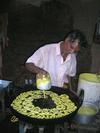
(76, 99)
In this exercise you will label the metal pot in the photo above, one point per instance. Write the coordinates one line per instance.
(86, 113)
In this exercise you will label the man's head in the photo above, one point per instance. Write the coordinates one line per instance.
(74, 40)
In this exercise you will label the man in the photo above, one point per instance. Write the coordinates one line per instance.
(58, 59)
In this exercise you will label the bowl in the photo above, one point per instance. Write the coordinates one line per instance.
(4, 83)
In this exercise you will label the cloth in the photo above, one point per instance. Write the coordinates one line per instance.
(49, 58)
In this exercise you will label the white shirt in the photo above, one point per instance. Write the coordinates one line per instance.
(49, 58)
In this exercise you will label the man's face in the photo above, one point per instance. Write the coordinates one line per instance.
(71, 46)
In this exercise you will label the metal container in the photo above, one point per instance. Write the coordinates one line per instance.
(86, 113)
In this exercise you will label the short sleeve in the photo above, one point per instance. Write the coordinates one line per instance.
(36, 58)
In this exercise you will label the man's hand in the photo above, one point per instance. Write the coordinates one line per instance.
(35, 69)
(42, 72)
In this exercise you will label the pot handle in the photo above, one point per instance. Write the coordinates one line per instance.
(81, 97)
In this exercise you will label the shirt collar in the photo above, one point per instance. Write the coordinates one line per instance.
(59, 53)
(58, 49)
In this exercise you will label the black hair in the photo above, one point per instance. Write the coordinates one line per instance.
(77, 34)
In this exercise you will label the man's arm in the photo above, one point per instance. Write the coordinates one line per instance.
(34, 69)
